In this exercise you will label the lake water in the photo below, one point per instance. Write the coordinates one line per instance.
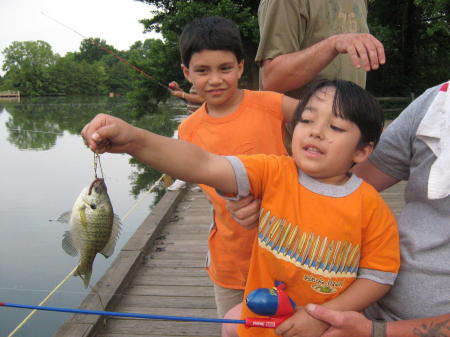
(44, 165)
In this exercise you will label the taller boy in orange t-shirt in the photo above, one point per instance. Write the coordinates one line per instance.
(231, 121)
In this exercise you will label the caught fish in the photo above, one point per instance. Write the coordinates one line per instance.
(93, 228)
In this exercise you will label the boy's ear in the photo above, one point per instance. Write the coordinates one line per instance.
(186, 72)
(363, 152)
(241, 68)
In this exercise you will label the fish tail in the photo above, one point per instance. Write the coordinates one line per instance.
(84, 273)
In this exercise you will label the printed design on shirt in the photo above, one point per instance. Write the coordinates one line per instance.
(346, 17)
(308, 251)
(323, 286)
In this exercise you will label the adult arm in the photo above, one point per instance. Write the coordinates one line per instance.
(294, 70)
(177, 158)
(374, 176)
(358, 296)
(354, 324)
(178, 92)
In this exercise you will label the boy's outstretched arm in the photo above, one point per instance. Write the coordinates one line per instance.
(177, 158)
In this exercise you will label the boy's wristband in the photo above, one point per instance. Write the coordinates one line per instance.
(378, 328)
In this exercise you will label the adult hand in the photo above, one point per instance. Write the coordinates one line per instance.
(301, 324)
(245, 211)
(364, 49)
(175, 90)
(106, 133)
(342, 323)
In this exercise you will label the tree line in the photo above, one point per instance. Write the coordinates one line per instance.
(415, 33)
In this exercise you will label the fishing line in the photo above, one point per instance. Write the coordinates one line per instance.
(42, 302)
(97, 162)
(121, 59)
(40, 305)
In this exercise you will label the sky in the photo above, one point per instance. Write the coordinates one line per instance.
(115, 21)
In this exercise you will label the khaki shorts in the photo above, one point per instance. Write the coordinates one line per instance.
(226, 298)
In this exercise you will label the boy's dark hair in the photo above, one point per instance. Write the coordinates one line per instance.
(211, 33)
(351, 102)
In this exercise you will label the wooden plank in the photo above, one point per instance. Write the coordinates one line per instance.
(188, 302)
(70, 328)
(181, 237)
(183, 247)
(149, 230)
(172, 280)
(162, 254)
(186, 312)
(187, 228)
(161, 328)
(394, 197)
(178, 271)
(156, 263)
(166, 290)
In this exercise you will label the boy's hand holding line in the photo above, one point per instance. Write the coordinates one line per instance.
(108, 134)
(177, 158)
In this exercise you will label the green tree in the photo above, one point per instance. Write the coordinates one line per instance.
(93, 50)
(417, 45)
(160, 63)
(26, 65)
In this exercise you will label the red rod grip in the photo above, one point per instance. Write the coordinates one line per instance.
(269, 322)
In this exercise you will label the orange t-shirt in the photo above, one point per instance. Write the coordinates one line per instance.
(316, 238)
(255, 127)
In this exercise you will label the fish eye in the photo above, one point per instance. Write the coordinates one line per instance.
(93, 206)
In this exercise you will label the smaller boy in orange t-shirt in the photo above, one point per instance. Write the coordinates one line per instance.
(325, 233)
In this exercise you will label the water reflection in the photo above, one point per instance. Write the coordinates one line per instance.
(36, 123)
(44, 166)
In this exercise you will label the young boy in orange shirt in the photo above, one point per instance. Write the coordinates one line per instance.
(325, 233)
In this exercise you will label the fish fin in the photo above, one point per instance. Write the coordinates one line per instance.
(85, 275)
(65, 217)
(67, 244)
(108, 250)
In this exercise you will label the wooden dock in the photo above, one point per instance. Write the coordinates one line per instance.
(9, 93)
(160, 271)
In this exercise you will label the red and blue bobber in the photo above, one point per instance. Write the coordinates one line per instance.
(272, 302)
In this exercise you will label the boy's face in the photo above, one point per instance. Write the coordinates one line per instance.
(325, 146)
(215, 75)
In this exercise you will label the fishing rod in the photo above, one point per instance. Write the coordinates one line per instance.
(269, 322)
(121, 59)
(38, 131)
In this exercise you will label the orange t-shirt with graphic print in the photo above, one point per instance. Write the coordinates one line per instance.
(316, 238)
(255, 127)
